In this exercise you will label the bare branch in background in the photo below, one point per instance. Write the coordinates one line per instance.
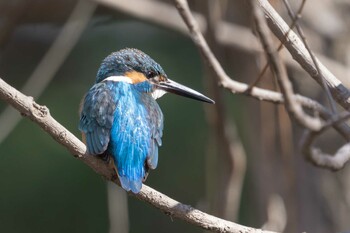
(51, 62)
(231, 156)
(280, 46)
(317, 156)
(117, 209)
(297, 49)
(226, 32)
(40, 115)
(294, 108)
(237, 87)
(321, 159)
(313, 58)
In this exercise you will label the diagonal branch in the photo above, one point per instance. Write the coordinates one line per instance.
(41, 116)
(226, 36)
(231, 155)
(294, 108)
(280, 46)
(226, 32)
(241, 88)
(297, 49)
(313, 58)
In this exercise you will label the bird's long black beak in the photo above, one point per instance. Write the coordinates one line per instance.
(179, 89)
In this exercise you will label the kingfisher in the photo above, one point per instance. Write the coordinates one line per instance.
(120, 118)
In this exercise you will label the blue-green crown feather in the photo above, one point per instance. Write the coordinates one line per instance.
(125, 60)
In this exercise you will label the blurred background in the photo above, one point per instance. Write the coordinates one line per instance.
(238, 160)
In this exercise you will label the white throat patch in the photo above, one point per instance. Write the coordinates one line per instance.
(155, 94)
(118, 79)
(158, 93)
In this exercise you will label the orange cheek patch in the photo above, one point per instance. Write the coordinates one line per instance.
(136, 77)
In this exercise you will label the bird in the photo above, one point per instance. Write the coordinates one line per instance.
(120, 118)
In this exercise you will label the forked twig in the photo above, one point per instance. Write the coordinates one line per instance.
(314, 60)
(280, 46)
(297, 49)
(237, 87)
(294, 108)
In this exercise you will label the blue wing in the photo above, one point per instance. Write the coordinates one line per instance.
(155, 121)
(96, 117)
(135, 135)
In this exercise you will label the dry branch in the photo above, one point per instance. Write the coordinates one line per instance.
(293, 107)
(321, 159)
(241, 88)
(259, 93)
(280, 46)
(231, 155)
(226, 33)
(41, 115)
(317, 156)
(297, 49)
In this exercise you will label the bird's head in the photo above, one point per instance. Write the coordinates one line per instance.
(134, 66)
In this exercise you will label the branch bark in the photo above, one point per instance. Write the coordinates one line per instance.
(41, 116)
(241, 88)
(230, 153)
(297, 49)
(225, 34)
(294, 108)
(321, 159)
(261, 94)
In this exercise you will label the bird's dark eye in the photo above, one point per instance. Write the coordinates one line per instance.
(150, 74)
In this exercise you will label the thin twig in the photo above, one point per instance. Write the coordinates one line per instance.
(41, 116)
(232, 156)
(227, 34)
(297, 49)
(319, 158)
(224, 80)
(340, 118)
(237, 87)
(314, 60)
(226, 37)
(280, 46)
(315, 155)
(294, 108)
